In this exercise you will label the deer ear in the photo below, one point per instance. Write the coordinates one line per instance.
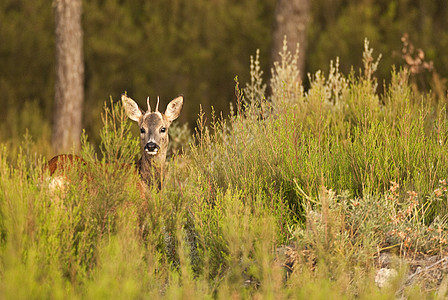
(173, 109)
(132, 110)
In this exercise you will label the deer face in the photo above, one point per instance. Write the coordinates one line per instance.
(153, 125)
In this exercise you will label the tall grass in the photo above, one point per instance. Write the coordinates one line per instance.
(294, 195)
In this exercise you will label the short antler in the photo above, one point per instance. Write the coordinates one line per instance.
(157, 106)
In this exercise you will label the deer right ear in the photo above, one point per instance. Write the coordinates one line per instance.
(132, 110)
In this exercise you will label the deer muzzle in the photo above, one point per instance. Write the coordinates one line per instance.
(152, 148)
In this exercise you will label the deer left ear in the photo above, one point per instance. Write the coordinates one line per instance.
(173, 109)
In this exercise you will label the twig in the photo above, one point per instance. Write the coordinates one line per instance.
(427, 268)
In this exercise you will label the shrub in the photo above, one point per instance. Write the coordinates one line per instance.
(295, 195)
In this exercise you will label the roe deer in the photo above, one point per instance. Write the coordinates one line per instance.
(153, 140)
(153, 134)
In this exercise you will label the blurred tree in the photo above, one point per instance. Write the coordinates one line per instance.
(69, 86)
(291, 19)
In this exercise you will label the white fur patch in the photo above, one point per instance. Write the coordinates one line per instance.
(57, 183)
(152, 152)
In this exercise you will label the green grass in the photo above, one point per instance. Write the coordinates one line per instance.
(325, 180)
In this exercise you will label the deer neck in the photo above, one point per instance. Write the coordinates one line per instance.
(150, 167)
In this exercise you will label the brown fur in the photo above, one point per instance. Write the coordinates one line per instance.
(61, 161)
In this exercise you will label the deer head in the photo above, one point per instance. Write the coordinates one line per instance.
(153, 127)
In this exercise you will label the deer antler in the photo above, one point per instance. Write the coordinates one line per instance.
(147, 102)
(157, 106)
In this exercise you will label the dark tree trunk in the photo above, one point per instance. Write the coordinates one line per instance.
(291, 19)
(69, 85)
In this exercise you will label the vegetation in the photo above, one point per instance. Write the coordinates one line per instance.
(295, 195)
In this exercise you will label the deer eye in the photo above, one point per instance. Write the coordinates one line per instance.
(142, 130)
(163, 129)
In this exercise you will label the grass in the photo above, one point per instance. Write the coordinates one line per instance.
(295, 195)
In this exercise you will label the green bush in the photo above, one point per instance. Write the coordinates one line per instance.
(295, 195)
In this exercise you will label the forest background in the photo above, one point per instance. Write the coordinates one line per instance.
(195, 48)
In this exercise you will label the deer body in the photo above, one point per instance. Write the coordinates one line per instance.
(153, 140)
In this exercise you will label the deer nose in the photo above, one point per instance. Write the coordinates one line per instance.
(152, 148)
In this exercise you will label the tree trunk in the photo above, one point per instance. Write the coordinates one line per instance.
(291, 19)
(69, 85)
